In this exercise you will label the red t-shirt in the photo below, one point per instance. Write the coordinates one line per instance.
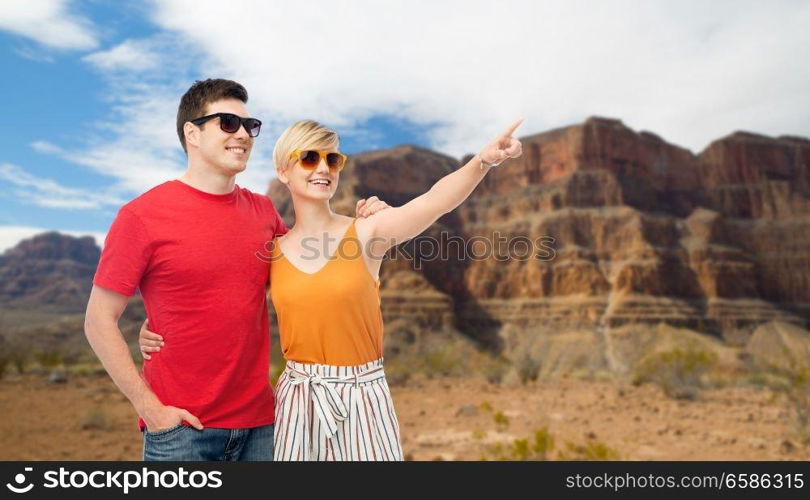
(193, 255)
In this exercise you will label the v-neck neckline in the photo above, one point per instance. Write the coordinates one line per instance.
(328, 261)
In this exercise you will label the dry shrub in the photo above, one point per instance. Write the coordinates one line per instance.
(536, 448)
(443, 354)
(678, 371)
(540, 446)
(48, 359)
(592, 450)
(790, 379)
(528, 368)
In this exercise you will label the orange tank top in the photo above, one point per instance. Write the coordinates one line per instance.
(331, 316)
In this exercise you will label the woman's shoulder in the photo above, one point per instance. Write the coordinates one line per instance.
(344, 219)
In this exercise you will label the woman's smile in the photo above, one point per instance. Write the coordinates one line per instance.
(320, 183)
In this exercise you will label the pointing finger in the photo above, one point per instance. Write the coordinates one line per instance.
(511, 128)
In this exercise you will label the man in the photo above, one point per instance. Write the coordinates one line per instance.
(189, 245)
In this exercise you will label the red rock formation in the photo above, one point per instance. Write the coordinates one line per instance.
(50, 270)
(643, 231)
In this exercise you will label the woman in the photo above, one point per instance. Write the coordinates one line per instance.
(333, 402)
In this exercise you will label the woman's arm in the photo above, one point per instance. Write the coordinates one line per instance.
(395, 225)
(148, 340)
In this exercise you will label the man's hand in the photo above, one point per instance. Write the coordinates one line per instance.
(148, 340)
(156, 415)
(159, 417)
(370, 206)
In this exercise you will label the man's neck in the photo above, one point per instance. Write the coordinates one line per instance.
(209, 182)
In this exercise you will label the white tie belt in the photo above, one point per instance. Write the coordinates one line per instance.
(328, 405)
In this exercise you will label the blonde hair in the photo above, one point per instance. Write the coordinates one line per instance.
(304, 134)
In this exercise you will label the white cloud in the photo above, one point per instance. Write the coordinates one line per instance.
(136, 144)
(132, 55)
(47, 22)
(146, 152)
(690, 71)
(48, 193)
(45, 147)
(10, 236)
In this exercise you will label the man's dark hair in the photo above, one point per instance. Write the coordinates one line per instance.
(200, 95)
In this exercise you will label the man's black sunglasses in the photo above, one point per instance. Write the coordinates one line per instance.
(230, 123)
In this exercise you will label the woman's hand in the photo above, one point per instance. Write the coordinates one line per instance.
(392, 227)
(503, 147)
(149, 341)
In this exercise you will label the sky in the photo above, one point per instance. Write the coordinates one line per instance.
(91, 87)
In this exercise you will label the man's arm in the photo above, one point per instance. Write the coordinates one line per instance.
(369, 206)
(101, 328)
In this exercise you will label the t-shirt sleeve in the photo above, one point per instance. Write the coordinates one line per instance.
(280, 227)
(126, 254)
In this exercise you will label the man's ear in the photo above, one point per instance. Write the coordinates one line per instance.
(192, 134)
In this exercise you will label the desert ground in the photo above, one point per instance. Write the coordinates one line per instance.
(86, 418)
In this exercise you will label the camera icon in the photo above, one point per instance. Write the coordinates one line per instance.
(20, 479)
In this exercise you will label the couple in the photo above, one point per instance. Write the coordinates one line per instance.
(190, 246)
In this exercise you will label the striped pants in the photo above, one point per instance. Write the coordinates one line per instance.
(335, 413)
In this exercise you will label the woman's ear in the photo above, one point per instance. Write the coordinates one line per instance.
(191, 133)
(282, 176)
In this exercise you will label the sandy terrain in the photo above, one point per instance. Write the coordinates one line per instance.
(452, 419)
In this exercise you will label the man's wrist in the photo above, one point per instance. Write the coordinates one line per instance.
(146, 403)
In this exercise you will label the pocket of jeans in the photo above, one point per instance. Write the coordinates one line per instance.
(163, 432)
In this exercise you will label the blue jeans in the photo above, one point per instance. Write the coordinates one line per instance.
(181, 443)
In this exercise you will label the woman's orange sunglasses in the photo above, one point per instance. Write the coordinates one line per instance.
(310, 158)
